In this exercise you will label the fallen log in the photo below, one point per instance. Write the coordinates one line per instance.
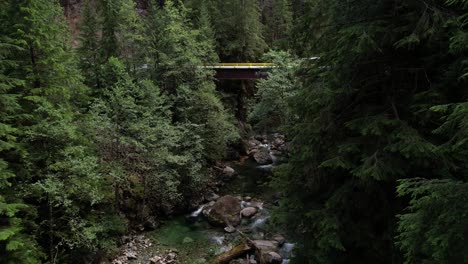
(236, 252)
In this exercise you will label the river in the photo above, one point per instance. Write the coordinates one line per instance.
(199, 242)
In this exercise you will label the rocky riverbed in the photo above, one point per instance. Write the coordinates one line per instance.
(231, 226)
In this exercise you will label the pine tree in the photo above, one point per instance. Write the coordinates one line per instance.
(89, 50)
(176, 57)
(130, 35)
(270, 112)
(16, 245)
(239, 30)
(206, 37)
(278, 22)
(374, 109)
(110, 24)
(57, 171)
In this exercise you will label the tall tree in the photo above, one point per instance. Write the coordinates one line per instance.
(277, 17)
(384, 102)
(89, 50)
(17, 245)
(177, 55)
(57, 172)
(239, 31)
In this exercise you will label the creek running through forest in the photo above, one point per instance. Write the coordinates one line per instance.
(196, 241)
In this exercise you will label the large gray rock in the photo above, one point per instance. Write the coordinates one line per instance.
(266, 245)
(266, 250)
(229, 171)
(280, 239)
(225, 211)
(262, 156)
(249, 212)
(272, 258)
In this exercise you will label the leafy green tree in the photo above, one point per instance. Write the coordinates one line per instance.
(270, 112)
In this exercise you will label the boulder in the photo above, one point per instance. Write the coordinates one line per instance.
(225, 211)
(272, 258)
(253, 143)
(238, 261)
(249, 212)
(211, 197)
(266, 245)
(262, 156)
(230, 229)
(280, 239)
(229, 171)
(278, 142)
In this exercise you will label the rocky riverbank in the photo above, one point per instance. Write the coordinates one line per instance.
(230, 226)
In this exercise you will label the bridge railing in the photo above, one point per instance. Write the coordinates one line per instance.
(240, 65)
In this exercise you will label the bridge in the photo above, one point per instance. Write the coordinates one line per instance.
(240, 71)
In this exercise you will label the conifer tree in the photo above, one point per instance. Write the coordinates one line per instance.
(57, 172)
(239, 31)
(17, 245)
(110, 24)
(270, 112)
(176, 55)
(278, 22)
(374, 109)
(89, 50)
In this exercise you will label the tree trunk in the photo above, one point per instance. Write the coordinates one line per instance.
(236, 252)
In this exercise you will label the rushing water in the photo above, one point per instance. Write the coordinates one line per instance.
(197, 242)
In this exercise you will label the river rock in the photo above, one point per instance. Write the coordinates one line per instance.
(225, 211)
(130, 254)
(238, 261)
(280, 239)
(262, 156)
(253, 143)
(211, 197)
(272, 258)
(230, 229)
(229, 171)
(249, 212)
(266, 245)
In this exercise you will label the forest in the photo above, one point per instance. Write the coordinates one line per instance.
(234, 131)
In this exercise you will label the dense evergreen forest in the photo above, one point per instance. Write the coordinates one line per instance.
(111, 125)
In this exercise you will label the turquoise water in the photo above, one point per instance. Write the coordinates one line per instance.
(199, 242)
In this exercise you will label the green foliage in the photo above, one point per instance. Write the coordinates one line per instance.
(238, 30)
(177, 54)
(58, 194)
(433, 227)
(278, 21)
(385, 101)
(89, 49)
(271, 110)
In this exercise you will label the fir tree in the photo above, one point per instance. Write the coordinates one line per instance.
(369, 113)
(89, 50)
(57, 171)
